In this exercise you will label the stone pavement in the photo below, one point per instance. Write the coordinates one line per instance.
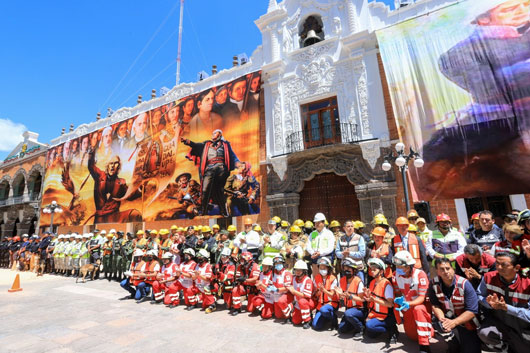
(54, 314)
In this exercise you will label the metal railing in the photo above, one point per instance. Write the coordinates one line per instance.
(15, 200)
(342, 133)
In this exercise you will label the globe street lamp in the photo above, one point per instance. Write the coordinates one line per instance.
(52, 209)
(402, 160)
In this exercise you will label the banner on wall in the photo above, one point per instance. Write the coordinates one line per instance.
(459, 80)
(194, 157)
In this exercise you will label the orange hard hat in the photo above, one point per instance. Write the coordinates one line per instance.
(248, 221)
(379, 231)
(443, 217)
(402, 221)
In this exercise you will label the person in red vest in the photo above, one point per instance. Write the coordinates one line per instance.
(513, 243)
(325, 297)
(164, 280)
(185, 281)
(247, 275)
(455, 305)
(380, 298)
(132, 280)
(202, 277)
(350, 291)
(148, 274)
(505, 296)
(264, 302)
(225, 271)
(474, 263)
(302, 291)
(404, 240)
(410, 289)
(281, 279)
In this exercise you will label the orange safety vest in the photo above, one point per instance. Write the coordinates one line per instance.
(352, 288)
(376, 310)
(454, 306)
(151, 276)
(136, 270)
(323, 298)
(383, 251)
(414, 248)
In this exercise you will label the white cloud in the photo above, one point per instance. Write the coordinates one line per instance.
(10, 134)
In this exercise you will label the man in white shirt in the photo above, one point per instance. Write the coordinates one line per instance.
(321, 241)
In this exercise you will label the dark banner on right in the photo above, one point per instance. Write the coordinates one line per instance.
(459, 79)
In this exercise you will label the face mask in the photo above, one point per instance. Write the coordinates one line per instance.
(148, 258)
(348, 273)
(224, 259)
(187, 258)
(323, 272)
(278, 267)
(400, 271)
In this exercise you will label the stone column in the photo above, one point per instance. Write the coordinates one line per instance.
(352, 20)
(378, 197)
(284, 206)
(275, 46)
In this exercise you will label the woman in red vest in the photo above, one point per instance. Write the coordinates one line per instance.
(380, 298)
(349, 292)
(325, 297)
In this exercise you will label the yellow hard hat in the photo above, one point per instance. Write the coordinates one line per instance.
(380, 219)
(284, 224)
(216, 226)
(196, 228)
(181, 229)
(299, 223)
(232, 228)
(360, 224)
(308, 224)
(276, 219)
(326, 222)
(295, 229)
(199, 228)
(334, 224)
(412, 228)
(206, 229)
(140, 232)
(174, 227)
(154, 231)
(163, 231)
(257, 228)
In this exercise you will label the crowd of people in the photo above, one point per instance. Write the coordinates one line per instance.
(471, 287)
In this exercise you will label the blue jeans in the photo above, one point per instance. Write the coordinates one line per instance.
(325, 314)
(126, 284)
(375, 327)
(352, 320)
(142, 289)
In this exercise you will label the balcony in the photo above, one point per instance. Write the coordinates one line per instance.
(343, 133)
(16, 200)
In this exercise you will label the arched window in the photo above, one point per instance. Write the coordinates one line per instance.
(311, 31)
(19, 184)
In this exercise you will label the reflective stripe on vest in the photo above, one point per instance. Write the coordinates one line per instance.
(413, 248)
(377, 310)
(323, 298)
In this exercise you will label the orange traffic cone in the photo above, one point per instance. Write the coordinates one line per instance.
(16, 285)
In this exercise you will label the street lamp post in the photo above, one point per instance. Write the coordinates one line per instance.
(52, 209)
(402, 160)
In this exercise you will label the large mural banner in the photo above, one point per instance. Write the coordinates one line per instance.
(459, 80)
(194, 157)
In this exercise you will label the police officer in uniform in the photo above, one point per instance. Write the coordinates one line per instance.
(107, 248)
(118, 257)
(128, 250)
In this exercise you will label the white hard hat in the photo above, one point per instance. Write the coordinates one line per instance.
(78, 236)
(278, 258)
(152, 253)
(300, 265)
(167, 255)
(403, 258)
(226, 252)
(377, 262)
(189, 251)
(73, 235)
(86, 235)
(267, 261)
(324, 261)
(138, 252)
(319, 217)
(112, 230)
(103, 232)
(60, 236)
(90, 235)
(204, 253)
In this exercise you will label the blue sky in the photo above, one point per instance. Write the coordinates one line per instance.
(62, 61)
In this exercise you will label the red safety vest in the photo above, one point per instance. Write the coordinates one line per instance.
(323, 298)
(376, 310)
(352, 288)
(409, 287)
(413, 248)
(516, 294)
(454, 306)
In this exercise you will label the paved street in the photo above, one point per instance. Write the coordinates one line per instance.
(54, 314)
